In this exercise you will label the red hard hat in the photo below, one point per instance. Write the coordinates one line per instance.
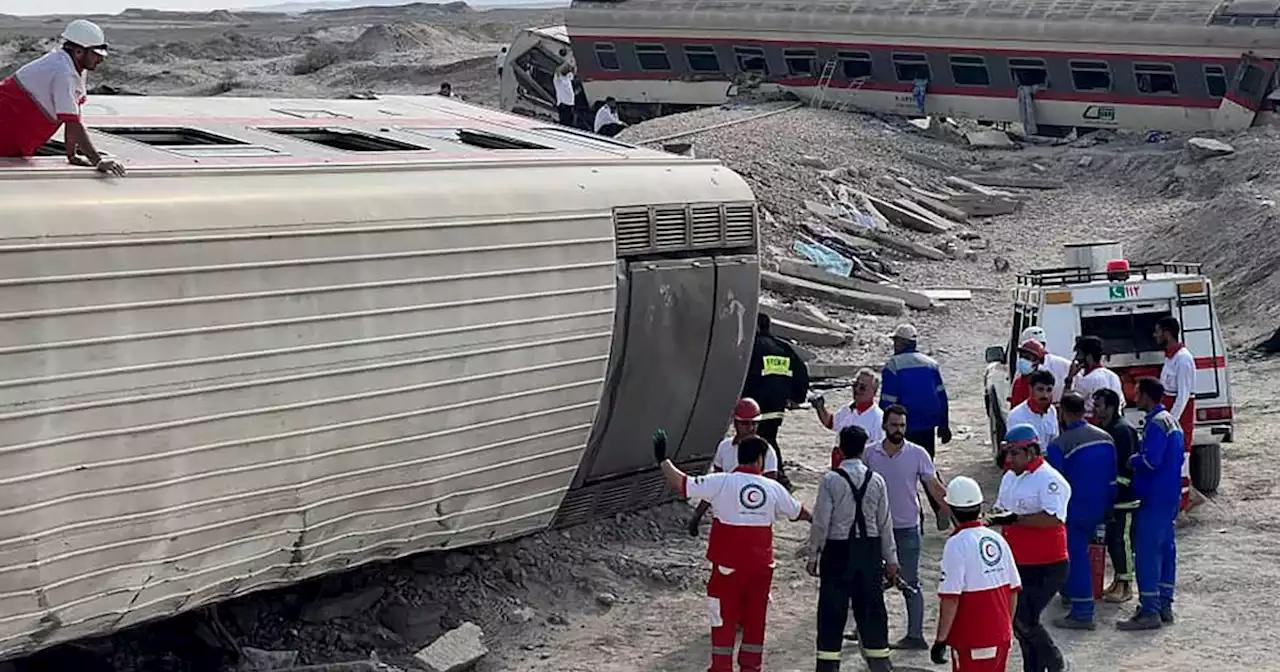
(747, 410)
(1034, 347)
(1118, 266)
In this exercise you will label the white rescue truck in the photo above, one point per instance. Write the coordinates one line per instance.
(1082, 299)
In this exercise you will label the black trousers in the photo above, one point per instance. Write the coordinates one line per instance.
(1120, 543)
(926, 439)
(610, 130)
(768, 430)
(1040, 583)
(566, 114)
(850, 572)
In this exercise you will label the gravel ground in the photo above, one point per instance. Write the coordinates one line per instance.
(625, 595)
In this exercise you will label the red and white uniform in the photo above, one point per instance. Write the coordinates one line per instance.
(745, 505)
(1038, 488)
(868, 416)
(1097, 378)
(37, 100)
(1178, 376)
(726, 458)
(978, 570)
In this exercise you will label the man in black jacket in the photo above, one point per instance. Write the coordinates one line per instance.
(777, 379)
(1106, 414)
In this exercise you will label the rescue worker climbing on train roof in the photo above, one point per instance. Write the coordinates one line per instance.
(745, 416)
(777, 379)
(851, 549)
(745, 505)
(978, 588)
(47, 94)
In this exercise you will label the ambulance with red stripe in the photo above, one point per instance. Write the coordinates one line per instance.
(1121, 306)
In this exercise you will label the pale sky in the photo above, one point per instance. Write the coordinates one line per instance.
(113, 6)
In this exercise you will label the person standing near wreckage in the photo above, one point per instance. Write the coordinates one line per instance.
(851, 548)
(777, 379)
(745, 505)
(911, 379)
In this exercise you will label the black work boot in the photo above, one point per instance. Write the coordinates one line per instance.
(827, 666)
(1140, 621)
(879, 665)
(1166, 615)
(910, 644)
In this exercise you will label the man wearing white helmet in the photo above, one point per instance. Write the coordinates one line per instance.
(47, 93)
(978, 586)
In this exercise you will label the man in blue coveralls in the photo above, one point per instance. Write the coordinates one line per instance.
(1157, 482)
(1086, 456)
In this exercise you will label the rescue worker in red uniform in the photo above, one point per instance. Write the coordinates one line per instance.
(745, 416)
(46, 94)
(745, 505)
(1178, 376)
(978, 586)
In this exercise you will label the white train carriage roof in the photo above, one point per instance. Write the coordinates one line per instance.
(164, 132)
(1234, 24)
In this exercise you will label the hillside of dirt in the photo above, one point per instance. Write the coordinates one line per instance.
(407, 49)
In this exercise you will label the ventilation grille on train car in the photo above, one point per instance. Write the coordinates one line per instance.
(698, 226)
(594, 501)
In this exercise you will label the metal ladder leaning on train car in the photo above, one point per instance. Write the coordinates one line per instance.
(824, 84)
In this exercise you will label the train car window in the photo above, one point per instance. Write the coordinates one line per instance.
(475, 138)
(346, 140)
(652, 57)
(1215, 80)
(751, 59)
(855, 64)
(702, 58)
(1091, 75)
(1265, 22)
(800, 61)
(607, 56)
(170, 137)
(1028, 72)
(910, 67)
(1155, 78)
(970, 71)
(1253, 81)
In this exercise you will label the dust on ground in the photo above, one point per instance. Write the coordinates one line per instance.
(407, 49)
(625, 594)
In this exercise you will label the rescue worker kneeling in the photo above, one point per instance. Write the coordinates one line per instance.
(978, 587)
(745, 505)
(851, 547)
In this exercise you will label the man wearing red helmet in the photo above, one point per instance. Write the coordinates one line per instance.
(746, 415)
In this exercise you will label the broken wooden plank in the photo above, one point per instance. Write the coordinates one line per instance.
(871, 303)
(978, 205)
(797, 269)
(948, 294)
(811, 335)
(973, 187)
(906, 247)
(1015, 182)
(906, 218)
(946, 216)
(811, 319)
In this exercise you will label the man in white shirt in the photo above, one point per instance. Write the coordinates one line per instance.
(1178, 376)
(607, 121)
(563, 81)
(1038, 410)
(746, 415)
(862, 412)
(47, 93)
(1088, 375)
(502, 60)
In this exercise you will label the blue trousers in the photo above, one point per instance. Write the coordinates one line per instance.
(1079, 585)
(1155, 554)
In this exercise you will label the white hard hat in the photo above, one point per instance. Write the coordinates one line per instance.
(86, 34)
(963, 493)
(1032, 333)
(906, 332)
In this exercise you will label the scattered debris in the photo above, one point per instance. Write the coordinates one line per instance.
(455, 650)
(606, 599)
(911, 299)
(342, 606)
(880, 305)
(948, 294)
(258, 660)
(1013, 181)
(811, 335)
(1207, 148)
(989, 139)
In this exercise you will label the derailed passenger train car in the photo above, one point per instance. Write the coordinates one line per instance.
(303, 335)
(1158, 64)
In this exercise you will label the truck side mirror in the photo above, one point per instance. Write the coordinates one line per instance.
(994, 354)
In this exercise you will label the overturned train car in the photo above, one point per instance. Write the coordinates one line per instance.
(1149, 64)
(303, 335)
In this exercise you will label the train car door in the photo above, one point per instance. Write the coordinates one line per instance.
(1249, 87)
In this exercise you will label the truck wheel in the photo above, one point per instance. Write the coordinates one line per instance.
(1206, 467)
